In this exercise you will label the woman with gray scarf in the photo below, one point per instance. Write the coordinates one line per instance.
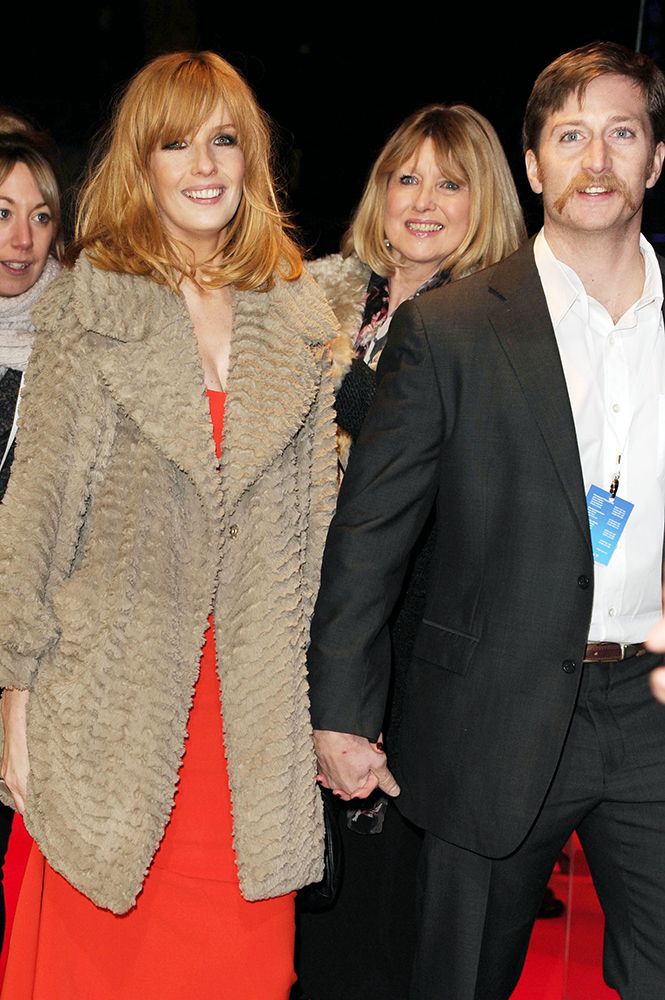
(30, 250)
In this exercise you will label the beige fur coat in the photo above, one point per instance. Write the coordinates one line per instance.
(120, 532)
(343, 281)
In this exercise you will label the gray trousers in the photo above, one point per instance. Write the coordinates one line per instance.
(476, 913)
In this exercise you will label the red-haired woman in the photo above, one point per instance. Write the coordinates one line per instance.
(139, 572)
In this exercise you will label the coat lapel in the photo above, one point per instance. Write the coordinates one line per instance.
(273, 377)
(148, 358)
(521, 320)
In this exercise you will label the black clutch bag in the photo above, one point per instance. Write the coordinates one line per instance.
(321, 895)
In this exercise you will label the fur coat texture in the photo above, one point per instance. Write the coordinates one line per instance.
(121, 531)
(343, 281)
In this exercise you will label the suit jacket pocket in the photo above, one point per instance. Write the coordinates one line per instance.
(445, 647)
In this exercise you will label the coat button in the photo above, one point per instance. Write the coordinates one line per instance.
(583, 582)
(569, 666)
(233, 530)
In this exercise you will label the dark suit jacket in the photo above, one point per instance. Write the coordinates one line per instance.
(472, 413)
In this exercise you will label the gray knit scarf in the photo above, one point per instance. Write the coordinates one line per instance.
(17, 333)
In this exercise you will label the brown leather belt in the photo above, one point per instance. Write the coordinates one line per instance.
(605, 652)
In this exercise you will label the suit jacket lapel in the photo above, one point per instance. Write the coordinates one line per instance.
(521, 320)
(661, 264)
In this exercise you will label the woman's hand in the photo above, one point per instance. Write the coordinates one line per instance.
(15, 765)
(352, 766)
(656, 643)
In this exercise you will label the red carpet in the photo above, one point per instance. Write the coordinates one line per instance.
(546, 976)
(577, 936)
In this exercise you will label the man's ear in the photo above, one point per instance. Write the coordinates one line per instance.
(657, 164)
(533, 171)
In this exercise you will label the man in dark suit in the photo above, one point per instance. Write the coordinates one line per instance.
(528, 403)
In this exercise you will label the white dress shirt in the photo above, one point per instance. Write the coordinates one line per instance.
(615, 375)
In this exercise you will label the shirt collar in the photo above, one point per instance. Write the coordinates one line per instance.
(563, 288)
(653, 276)
(561, 285)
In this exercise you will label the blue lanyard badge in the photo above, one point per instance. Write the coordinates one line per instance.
(608, 516)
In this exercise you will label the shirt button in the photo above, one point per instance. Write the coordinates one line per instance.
(616, 408)
(611, 340)
(233, 530)
(569, 666)
(612, 612)
(583, 582)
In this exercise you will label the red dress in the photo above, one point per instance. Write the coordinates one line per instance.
(191, 934)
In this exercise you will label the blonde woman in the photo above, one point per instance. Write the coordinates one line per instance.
(439, 204)
(140, 572)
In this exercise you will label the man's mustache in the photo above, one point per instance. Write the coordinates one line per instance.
(608, 181)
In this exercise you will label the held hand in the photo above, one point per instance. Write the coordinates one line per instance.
(656, 643)
(15, 766)
(656, 637)
(657, 681)
(352, 766)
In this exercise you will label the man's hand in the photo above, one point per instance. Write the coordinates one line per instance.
(656, 643)
(15, 766)
(352, 766)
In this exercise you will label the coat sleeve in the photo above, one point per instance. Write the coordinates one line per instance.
(44, 505)
(387, 493)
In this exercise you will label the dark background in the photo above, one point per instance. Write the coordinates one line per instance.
(336, 79)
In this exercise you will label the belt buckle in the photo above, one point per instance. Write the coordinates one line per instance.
(625, 650)
(602, 654)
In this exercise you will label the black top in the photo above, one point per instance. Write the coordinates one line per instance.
(10, 384)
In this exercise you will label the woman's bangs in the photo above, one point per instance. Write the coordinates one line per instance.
(187, 101)
(452, 171)
(182, 116)
(7, 164)
(449, 151)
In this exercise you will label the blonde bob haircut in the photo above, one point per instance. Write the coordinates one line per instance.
(117, 221)
(468, 152)
(20, 143)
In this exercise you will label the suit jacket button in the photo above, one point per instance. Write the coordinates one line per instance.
(569, 666)
(583, 582)
(233, 530)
